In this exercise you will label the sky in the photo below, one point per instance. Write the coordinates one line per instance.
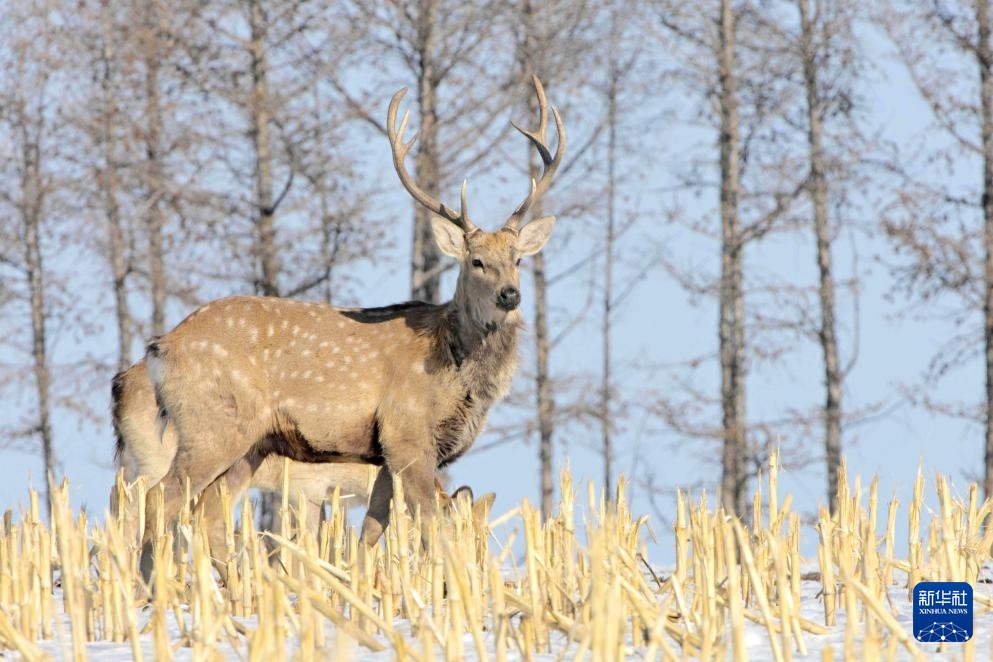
(658, 323)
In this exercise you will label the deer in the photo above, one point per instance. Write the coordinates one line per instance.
(143, 450)
(406, 387)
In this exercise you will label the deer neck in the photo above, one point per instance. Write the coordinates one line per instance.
(472, 343)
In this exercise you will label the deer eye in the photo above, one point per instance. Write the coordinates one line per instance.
(518, 262)
(476, 262)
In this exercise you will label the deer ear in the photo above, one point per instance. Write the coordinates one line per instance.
(450, 239)
(465, 489)
(534, 235)
(481, 507)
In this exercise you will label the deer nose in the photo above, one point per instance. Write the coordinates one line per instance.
(509, 299)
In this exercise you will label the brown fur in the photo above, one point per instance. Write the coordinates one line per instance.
(142, 452)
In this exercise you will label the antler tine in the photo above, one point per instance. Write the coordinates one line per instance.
(463, 203)
(400, 150)
(550, 163)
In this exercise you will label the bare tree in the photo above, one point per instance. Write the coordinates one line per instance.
(745, 84)
(152, 42)
(984, 60)
(606, 420)
(543, 391)
(27, 114)
(620, 62)
(550, 36)
(942, 251)
(105, 138)
(731, 302)
(815, 38)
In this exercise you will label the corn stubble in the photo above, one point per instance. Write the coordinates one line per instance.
(576, 589)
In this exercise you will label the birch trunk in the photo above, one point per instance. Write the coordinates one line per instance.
(818, 189)
(425, 279)
(265, 220)
(731, 329)
(108, 186)
(984, 57)
(154, 219)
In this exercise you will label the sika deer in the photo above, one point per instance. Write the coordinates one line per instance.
(407, 387)
(144, 451)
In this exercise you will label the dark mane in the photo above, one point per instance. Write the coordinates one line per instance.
(116, 391)
(383, 313)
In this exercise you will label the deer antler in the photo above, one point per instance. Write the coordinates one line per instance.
(400, 150)
(539, 139)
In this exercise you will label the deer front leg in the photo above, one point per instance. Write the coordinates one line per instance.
(377, 516)
(417, 471)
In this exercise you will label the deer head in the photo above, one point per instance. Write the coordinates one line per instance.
(488, 291)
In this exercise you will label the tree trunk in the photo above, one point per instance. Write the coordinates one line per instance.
(267, 282)
(984, 56)
(267, 279)
(818, 190)
(32, 196)
(731, 331)
(154, 220)
(108, 181)
(331, 226)
(608, 275)
(425, 281)
(330, 245)
(543, 389)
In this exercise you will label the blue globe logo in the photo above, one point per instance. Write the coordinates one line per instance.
(938, 632)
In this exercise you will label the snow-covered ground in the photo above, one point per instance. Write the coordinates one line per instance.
(756, 638)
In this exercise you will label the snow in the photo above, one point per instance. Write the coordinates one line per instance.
(756, 637)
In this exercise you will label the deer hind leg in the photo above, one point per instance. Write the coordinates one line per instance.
(200, 472)
(217, 423)
(211, 506)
